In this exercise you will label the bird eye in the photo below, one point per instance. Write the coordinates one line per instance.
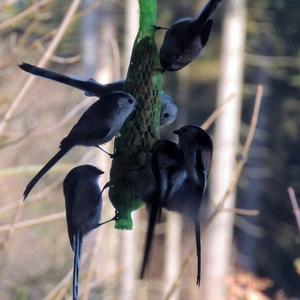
(130, 101)
(166, 115)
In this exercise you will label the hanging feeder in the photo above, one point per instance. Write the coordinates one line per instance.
(142, 129)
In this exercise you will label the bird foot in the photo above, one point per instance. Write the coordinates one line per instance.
(159, 27)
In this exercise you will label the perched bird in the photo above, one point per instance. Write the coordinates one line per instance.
(186, 38)
(98, 125)
(168, 171)
(83, 202)
(181, 172)
(197, 149)
(91, 87)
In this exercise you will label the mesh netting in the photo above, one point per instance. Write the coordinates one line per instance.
(142, 128)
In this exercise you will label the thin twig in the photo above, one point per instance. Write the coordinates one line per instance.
(34, 221)
(75, 18)
(216, 113)
(61, 60)
(63, 283)
(24, 14)
(242, 211)
(232, 185)
(42, 63)
(40, 194)
(240, 164)
(61, 124)
(44, 191)
(31, 169)
(295, 205)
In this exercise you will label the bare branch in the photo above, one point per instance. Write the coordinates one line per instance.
(295, 205)
(42, 63)
(24, 14)
(242, 212)
(34, 221)
(216, 113)
(61, 60)
(61, 124)
(240, 164)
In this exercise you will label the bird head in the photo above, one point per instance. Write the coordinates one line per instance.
(168, 109)
(193, 135)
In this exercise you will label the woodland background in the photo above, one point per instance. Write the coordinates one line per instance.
(244, 257)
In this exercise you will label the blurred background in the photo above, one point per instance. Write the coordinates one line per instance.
(250, 242)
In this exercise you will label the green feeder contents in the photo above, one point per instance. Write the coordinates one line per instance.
(141, 130)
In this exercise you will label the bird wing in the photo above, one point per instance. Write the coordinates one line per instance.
(205, 32)
(87, 206)
(87, 132)
(69, 198)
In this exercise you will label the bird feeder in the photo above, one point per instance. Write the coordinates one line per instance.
(141, 130)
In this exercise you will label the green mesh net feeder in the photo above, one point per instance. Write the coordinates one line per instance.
(141, 130)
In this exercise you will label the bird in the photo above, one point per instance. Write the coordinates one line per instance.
(93, 88)
(185, 39)
(83, 201)
(167, 169)
(98, 125)
(197, 148)
(181, 172)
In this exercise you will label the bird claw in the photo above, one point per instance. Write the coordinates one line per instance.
(159, 27)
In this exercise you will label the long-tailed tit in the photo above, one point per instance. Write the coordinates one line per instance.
(186, 38)
(197, 149)
(83, 210)
(98, 125)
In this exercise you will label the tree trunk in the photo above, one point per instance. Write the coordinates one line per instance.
(217, 244)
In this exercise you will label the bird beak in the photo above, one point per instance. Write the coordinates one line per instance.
(176, 131)
(101, 172)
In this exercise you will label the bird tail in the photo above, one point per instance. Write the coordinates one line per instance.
(89, 86)
(45, 169)
(154, 212)
(77, 253)
(198, 248)
(207, 11)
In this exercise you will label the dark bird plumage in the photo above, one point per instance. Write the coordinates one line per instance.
(186, 38)
(98, 125)
(83, 210)
(167, 165)
(197, 149)
(180, 172)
